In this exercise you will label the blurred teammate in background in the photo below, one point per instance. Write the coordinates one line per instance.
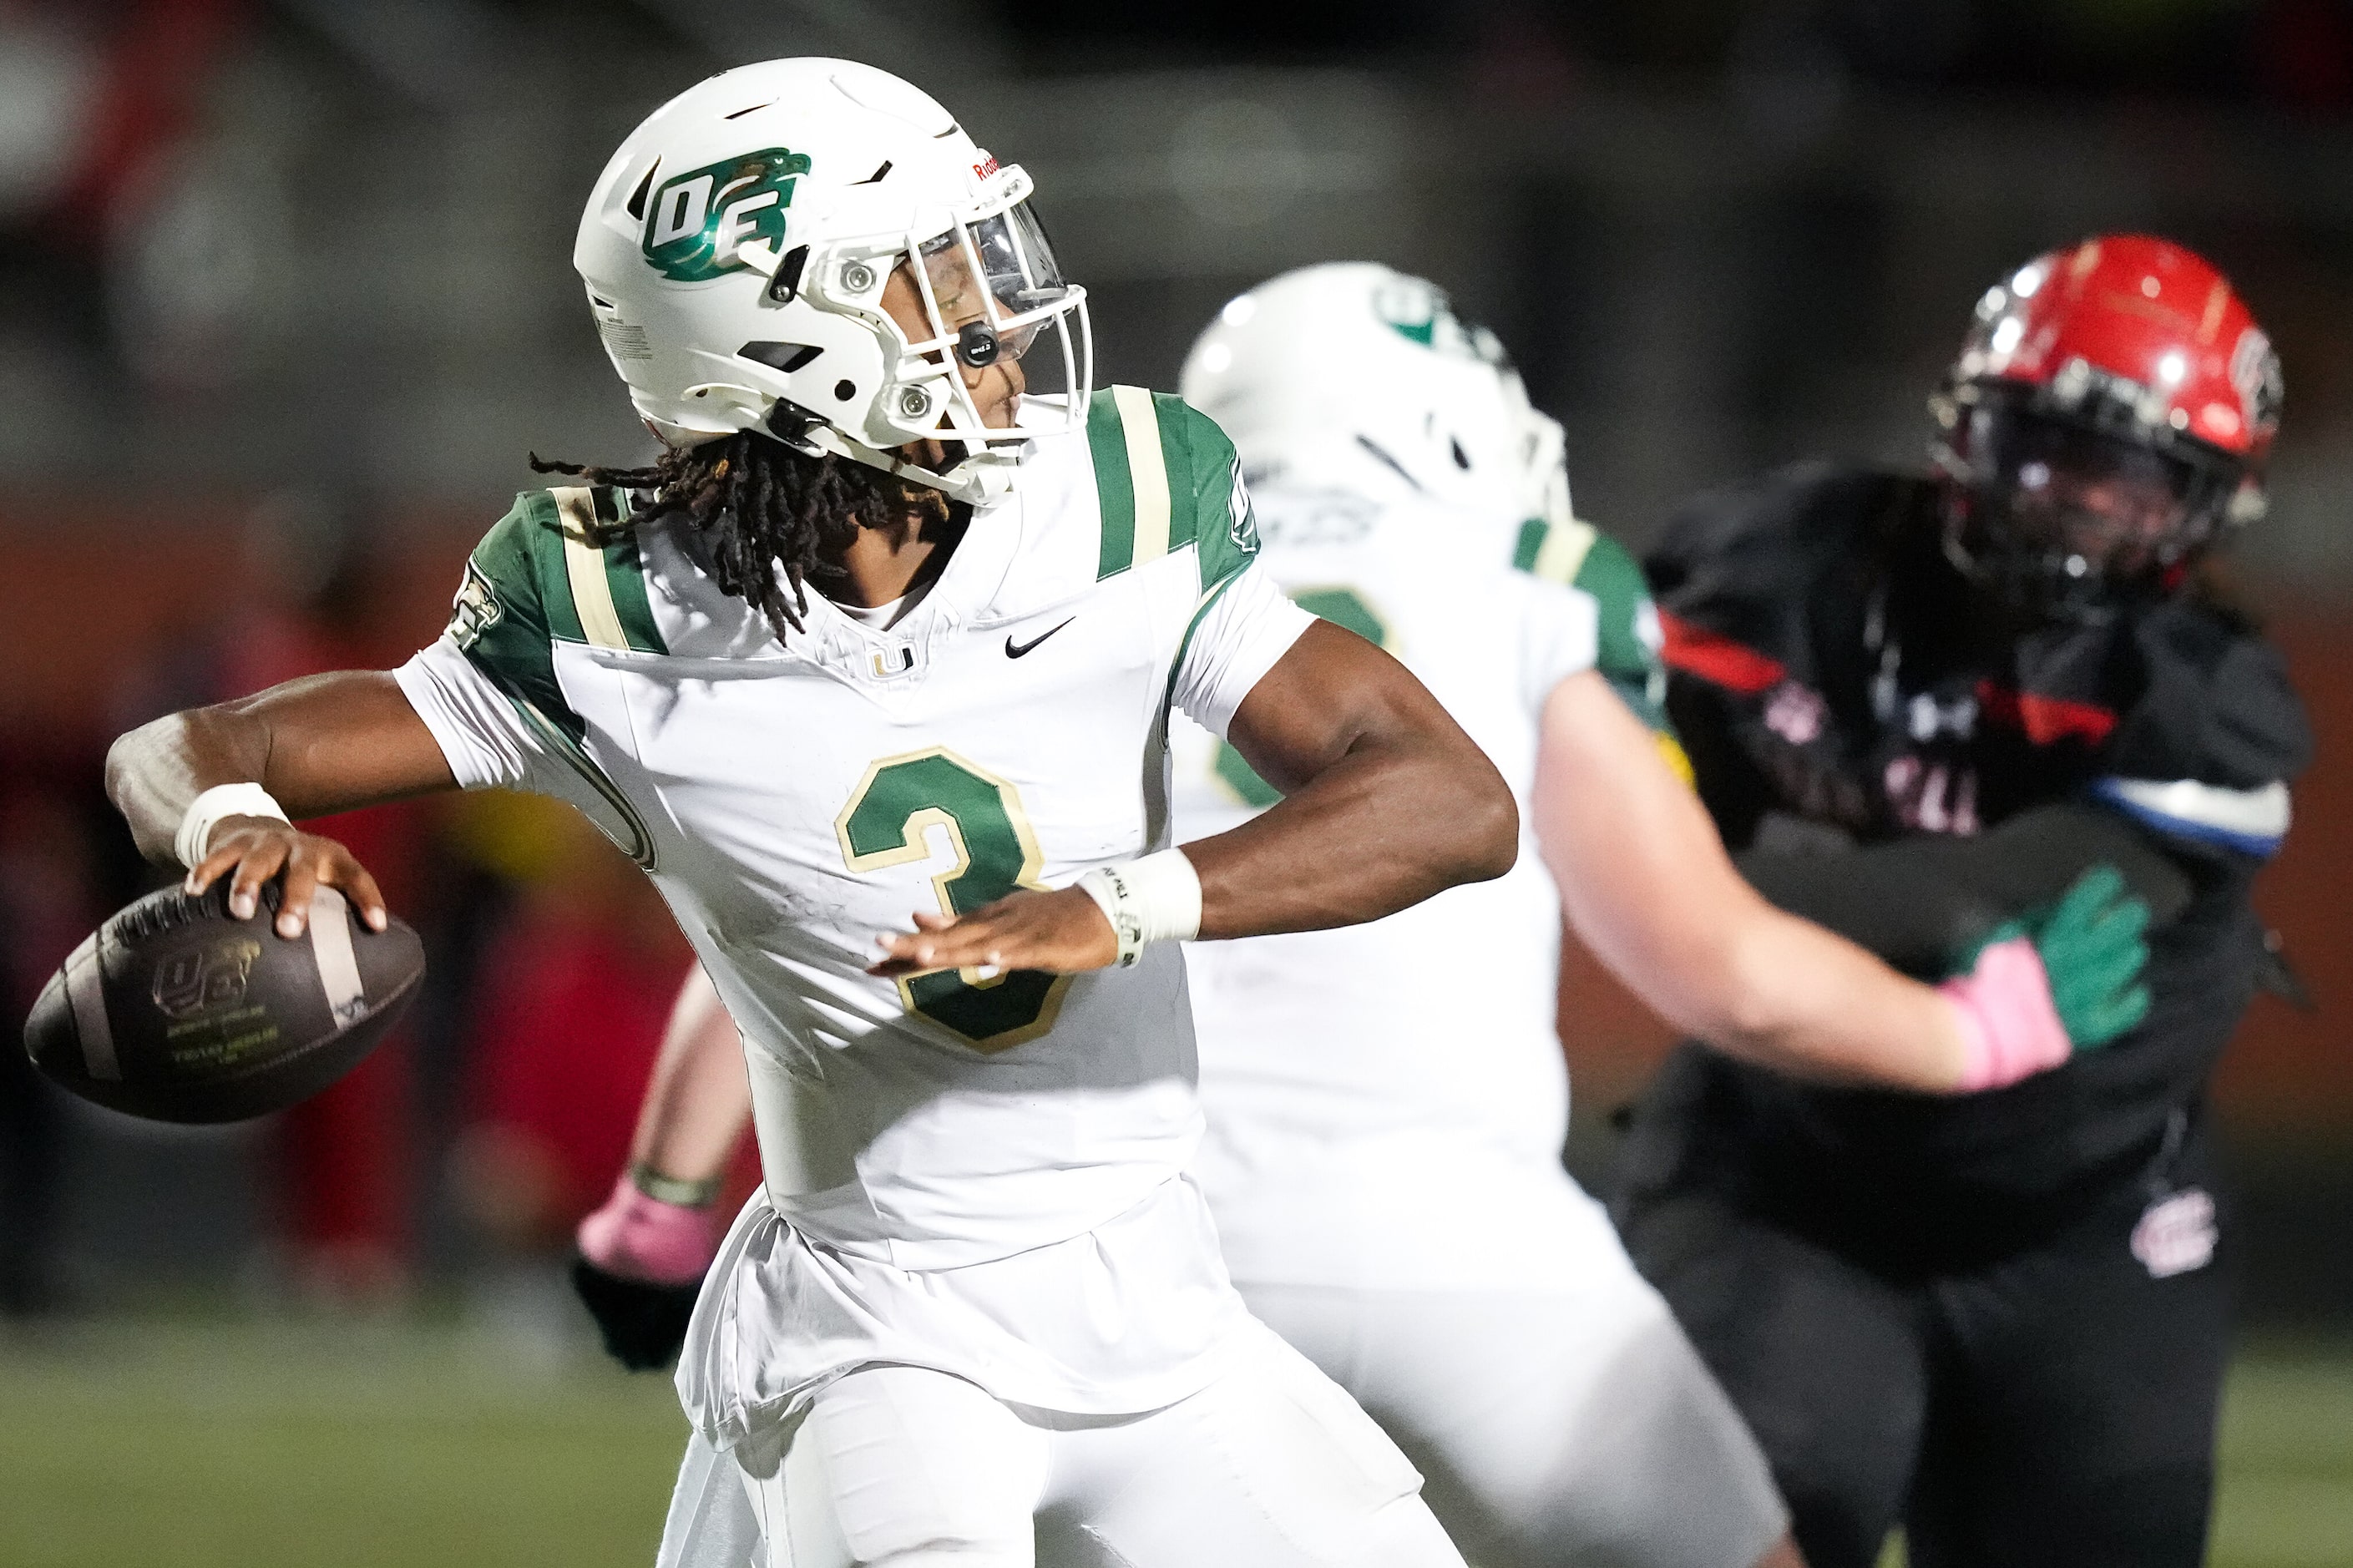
(891, 623)
(1918, 701)
(1388, 1104)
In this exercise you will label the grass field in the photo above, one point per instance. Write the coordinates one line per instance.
(378, 1447)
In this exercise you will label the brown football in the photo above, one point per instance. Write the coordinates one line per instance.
(176, 1011)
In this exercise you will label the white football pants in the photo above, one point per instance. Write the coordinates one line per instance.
(1573, 1428)
(1269, 1467)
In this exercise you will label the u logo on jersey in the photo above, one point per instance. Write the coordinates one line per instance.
(697, 219)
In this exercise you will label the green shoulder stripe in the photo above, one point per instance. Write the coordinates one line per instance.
(1554, 552)
(1114, 484)
(1225, 531)
(1165, 477)
(516, 603)
(535, 579)
(1628, 637)
(1133, 469)
(1628, 654)
(1578, 555)
(506, 621)
(606, 582)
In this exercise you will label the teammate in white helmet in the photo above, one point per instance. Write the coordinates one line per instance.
(1409, 1084)
(886, 627)
(1388, 1103)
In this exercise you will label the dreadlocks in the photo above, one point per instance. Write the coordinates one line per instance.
(758, 504)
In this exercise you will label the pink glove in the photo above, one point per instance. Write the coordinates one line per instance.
(640, 1238)
(2007, 1019)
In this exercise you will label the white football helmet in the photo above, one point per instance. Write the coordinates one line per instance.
(737, 247)
(1349, 362)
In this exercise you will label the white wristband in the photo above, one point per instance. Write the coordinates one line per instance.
(206, 810)
(1156, 899)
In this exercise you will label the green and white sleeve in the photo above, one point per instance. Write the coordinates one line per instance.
(1242, 623)
(488, 688)
(1625, 636)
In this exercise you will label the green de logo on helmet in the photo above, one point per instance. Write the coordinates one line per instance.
(696, 220)
(1420, 312)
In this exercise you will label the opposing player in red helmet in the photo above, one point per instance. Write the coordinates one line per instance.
(1919, 704)
(2106, 425)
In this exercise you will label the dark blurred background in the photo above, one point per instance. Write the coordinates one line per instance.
(285, 299)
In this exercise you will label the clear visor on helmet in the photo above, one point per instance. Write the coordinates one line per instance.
(2094, 503)
(1019, 283)
(1001, 310)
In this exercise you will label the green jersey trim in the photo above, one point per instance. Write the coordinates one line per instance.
(638, 844)
(1225, 530)
(1114, 485)
(1185, 644)
(517, 603)
(1554, 552)
(539, 578)
(507, 622)
(1165, 477)
(1625, 655)
(1578, 556)
(602, 571)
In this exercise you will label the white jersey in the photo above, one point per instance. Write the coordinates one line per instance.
(1388, 1103)
(794, 801)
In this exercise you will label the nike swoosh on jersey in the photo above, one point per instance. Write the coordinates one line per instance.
(1015, 650)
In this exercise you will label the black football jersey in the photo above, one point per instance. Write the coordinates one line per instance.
(1836, 683)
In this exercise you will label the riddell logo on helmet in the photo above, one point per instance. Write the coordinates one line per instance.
(985, 167)
(697, 220)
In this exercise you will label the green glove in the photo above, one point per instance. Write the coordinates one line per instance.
(2093, 952)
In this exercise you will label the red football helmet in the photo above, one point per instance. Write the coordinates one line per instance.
(2106, 422)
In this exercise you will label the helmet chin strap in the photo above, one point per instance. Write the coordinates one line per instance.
(973, 483)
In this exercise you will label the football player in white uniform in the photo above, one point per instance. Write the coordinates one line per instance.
(1388, 1103)
(884, 630)
(1386, 1114)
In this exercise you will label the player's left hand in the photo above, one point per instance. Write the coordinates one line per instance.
(643, 1323)
(1061, 932)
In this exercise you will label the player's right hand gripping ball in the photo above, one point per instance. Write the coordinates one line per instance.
(177, 1011)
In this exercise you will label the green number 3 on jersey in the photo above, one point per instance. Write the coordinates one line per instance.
(888, 822)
